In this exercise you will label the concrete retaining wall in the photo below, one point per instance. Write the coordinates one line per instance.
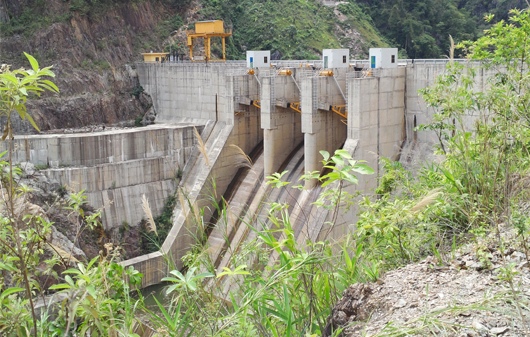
(90, 149)
(198, 91)
(115, 168)
(376, 116)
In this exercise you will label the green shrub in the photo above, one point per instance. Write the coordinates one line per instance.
(137, 91)
(42, 167)
(62, 191)
(138, 121)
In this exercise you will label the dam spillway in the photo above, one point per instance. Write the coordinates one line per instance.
(228, 106)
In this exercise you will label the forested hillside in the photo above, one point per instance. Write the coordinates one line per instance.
(421, 28)
(297, 29)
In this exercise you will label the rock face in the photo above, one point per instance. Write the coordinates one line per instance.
(89, 54)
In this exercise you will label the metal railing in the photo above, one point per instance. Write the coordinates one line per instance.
(315, 64)
(366, 73)
(413, 61)
(237, 63)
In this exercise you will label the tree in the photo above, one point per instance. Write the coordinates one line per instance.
(15, 88)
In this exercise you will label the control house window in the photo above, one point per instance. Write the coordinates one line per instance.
(343, 58)
(265, 59)
(393, 58)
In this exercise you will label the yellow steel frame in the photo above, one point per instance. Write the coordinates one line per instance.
(207, 43)
(338, 109)
(256, 104)
(295, 107)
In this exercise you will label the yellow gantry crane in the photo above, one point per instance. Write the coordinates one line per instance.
(206, 30)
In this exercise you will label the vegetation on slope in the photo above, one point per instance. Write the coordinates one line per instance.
(422, 28)
(297, 29)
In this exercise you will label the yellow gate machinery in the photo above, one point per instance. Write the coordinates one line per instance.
(206, 30)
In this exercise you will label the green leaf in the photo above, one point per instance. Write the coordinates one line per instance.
(363, 169)
(10, 78)
(34, 63)
(51, 84)
(173, 288)
(203, 275)
(10, 291)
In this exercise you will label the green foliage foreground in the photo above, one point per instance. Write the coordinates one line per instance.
(275, 285)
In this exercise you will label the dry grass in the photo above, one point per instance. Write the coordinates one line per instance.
(427, 200)
(183, 207)
(62, 253)
(451, 49)
(201, 146)
(240, 154)
(147, 211)
(197, 213)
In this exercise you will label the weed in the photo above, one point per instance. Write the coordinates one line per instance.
(179, 174)
(102, 65)
(62, 191)
(138, 121)
(100, 45)
(124, 227)
(150, 242)
(137, 91)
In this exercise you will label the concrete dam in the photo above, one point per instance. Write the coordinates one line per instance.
(280, 116)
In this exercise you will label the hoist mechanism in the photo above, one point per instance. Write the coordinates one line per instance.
(326, 73)
(207, 30)
(295, 107)
(340, 110)
(285, 72)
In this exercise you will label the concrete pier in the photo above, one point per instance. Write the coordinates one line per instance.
(281, 125)
(324, 130)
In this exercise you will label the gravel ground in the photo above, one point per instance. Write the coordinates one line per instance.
(462, 296)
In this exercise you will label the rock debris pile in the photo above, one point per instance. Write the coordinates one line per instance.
(467, 295)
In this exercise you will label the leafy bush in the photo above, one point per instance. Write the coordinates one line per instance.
(138, 121)
(137, 91)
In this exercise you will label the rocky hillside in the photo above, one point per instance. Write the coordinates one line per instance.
(89, 46)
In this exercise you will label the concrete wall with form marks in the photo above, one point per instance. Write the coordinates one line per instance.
(423, 75)
(115, 168)
(187, 90)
